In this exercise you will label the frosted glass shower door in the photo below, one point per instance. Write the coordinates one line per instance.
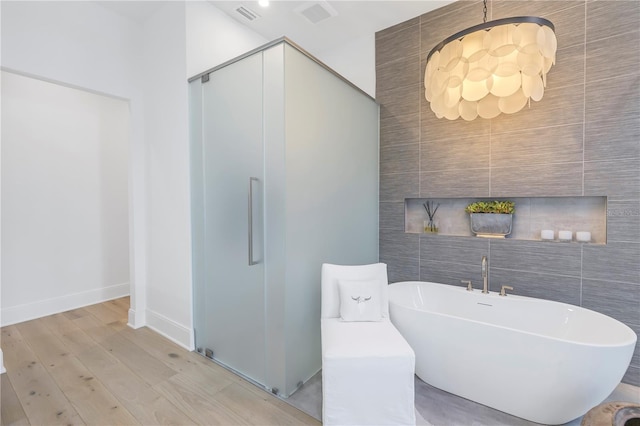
(233, 174)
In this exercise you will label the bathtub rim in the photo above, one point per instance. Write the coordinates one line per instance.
(632, 335)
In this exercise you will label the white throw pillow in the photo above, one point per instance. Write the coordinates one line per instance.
(360, 300)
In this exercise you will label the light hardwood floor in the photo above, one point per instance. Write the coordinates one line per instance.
(86, 366)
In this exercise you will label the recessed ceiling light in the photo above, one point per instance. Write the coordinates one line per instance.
(263, 3)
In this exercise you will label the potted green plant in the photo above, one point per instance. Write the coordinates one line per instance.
(491, 219)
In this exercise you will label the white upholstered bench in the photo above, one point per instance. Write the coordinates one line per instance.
(367, 366)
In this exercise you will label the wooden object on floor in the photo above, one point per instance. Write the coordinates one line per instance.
(613, 414)
(86, 366)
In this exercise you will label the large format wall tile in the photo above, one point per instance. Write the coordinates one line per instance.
(558, 288)
(392, 216)
(604, 62)
(610, 18)
(568, 69)
(398, 186)
(400, 130)
(401, 269)
(613, 262)
(402, 72)
(462, 152)
(450, 273)
(568, 19)
(536, 256)
(619, 180)
(400, 44)
(455, 183)
(446, 21)
(399, 102)
(545, 9)
(615, 138)
(632, 375)
(569, 22)
(392, 31)
(623, 221)
(399, 158)
(561, 144)
(399, 244)
(635, 360)
(613, 99)
(467, 250)
(559, 106)
(581, 139)
(567, 16)
(617, 300)
(538, 180)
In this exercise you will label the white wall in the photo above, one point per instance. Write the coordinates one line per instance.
(355, 61)
(180, 40)
(165, 90)
(65, 198)
(77, 43)
(2, 369)
(81, 44)
(213, 38)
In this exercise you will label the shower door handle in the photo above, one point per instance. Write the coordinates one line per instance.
(251, 260)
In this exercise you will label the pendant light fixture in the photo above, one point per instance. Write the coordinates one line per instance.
(491, 68)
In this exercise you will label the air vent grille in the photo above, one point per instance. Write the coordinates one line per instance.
(247, 13)
(317, 12)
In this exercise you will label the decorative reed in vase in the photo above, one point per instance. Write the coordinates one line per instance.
(431, 208)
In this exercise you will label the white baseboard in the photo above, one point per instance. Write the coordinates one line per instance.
(42, 308)
(170, 329)
(137, 319)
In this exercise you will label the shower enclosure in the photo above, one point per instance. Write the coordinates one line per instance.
(284, 177)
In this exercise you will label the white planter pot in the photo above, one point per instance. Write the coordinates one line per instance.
(491, 225)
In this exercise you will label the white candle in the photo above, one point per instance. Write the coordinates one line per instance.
(565, 235)
(584, 236)
(547, 234)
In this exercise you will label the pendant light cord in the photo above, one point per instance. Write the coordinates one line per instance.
(484, 10)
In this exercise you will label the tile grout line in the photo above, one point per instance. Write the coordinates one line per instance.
(581, 271)
(490, 122)
(584, 113)
(419, 139)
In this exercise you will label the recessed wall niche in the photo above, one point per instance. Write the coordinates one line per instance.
(532, 215)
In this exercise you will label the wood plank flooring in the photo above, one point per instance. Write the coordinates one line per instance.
(87, 366)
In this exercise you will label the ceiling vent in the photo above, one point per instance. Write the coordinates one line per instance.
(316, 12)
(248, 14)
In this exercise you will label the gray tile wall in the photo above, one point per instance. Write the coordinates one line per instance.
(582, 138)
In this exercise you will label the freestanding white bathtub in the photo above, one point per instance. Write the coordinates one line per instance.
(543, 361)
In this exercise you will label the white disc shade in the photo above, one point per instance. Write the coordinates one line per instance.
(493, 70)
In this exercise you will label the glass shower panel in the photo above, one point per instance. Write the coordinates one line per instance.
(233, 174)
(332, 195)
(197, 207)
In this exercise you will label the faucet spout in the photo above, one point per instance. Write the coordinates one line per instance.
(485, 275)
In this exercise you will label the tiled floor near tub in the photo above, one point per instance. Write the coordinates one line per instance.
(439, 408)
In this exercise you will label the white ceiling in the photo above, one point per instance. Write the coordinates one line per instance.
(354, 19)
(137, 11)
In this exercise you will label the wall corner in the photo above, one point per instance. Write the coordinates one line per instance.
(136, 319)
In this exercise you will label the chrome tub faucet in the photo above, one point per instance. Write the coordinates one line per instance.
(468, 283)
(485, 275)
(503, 290)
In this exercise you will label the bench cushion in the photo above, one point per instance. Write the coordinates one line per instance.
(367, 374)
